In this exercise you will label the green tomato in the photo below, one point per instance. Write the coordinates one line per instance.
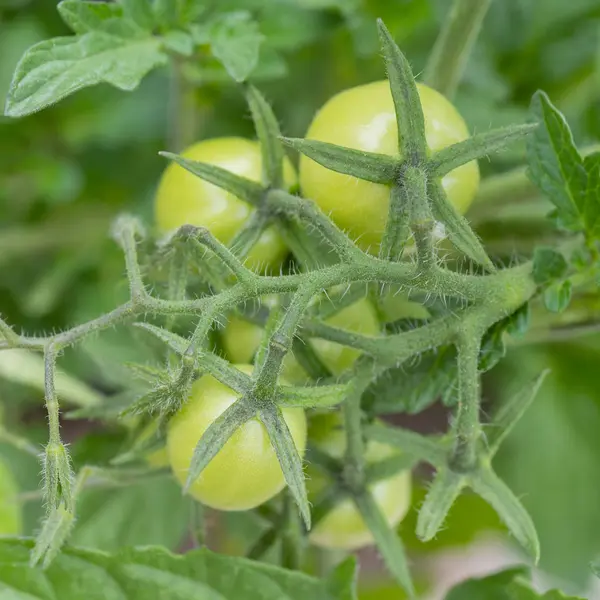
(245, 472)
(241, 339)
(343, 527)
(11, 518)
(363, 118)
(182, 198)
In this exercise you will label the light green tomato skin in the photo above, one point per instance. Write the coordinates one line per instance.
(182, 198)
(343, 528)
(11, 518)
(241, 340)
(245, 472)
(363, 118)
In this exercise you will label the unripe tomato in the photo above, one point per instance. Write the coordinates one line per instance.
(241, 339)
(11, 519)
(363, 118)
(343, 527)
(245, 472)
(182, 198)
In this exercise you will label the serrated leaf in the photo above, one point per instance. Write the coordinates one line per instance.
(548, 265)
(558, 296)
(378, 168)
(509, 413)
(476, 146)
(54, 69)
(242, 188)
(592, 195)
(235, 40)
(555, 165)
(444, 490)
(154, 573)
(412, 144)
(216, 436)
(83, 17)
(288, 457)
(387, 540)
(494, 491)
(268, 133)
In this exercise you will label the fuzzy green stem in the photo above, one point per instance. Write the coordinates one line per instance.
(467, 427)
(451, 51)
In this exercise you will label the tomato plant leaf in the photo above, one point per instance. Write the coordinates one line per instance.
(153, 573)
(179, 42)
(289, 459)
(377, 168)
(268, 133)
(548, 265)
(476, 146)
(140, 12)
(457, 227)
(555, 165)
(509, 412)
(216, 436)
(386, 539)
(240, 187)
(444, 490)
(592, 196)
(513, 583)
(235, 40)
(83, 17)
(410, 121)
(53, 69)
(558, 296)
(494, 491)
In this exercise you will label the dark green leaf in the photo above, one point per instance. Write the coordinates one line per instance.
(493, 348)
(555, 165)
(235, 40)
(477, 146)
(378, 168)
(558, 296)
(56, 68)
(152, 573)
(341, 582)
(386, 539)
(289, 459)
(548, 265)
(512, 584)
(241, 187)
(412, 144)
(592, 196)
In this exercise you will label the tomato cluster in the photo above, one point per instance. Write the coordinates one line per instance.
(245, 472)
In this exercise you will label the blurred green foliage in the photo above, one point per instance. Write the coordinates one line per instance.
(67, 171)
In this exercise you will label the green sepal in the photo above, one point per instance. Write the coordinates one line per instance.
(242, 188)
(376, 168)
(444, 490)
(476, 146)
(457, 227)
(268, 133)
(216, 436)
(412, 144)
(494, 491)
(289, 459)
(386, 539)
(55, 531)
